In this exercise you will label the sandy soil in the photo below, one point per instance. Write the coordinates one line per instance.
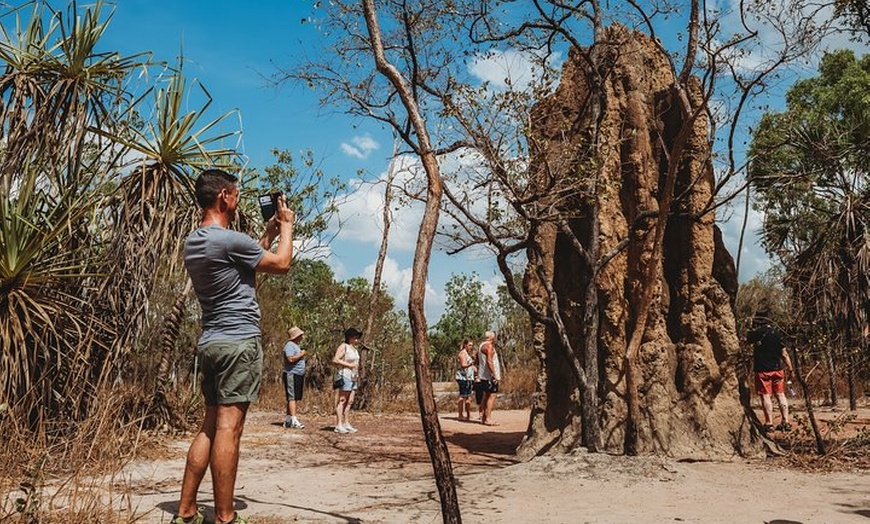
(382, 474)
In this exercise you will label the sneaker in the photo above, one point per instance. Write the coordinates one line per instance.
(350, 429)
(296, 425)
(784, 427)
(341, 429)
(237, 520)
(196, 519)
(767, 428)
(288, 424)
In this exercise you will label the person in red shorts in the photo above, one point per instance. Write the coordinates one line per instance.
(769, 353)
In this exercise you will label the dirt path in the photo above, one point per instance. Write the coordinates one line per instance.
(382, 474)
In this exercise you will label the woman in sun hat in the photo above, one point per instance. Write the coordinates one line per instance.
(294, 376)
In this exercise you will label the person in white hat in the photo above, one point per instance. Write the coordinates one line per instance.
(294, 376)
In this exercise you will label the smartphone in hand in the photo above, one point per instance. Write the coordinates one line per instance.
(268, 205)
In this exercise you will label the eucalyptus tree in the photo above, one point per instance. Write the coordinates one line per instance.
(367, 359)
(388, 89)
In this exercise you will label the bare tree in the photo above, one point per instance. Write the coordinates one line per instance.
(423, 148)
(367, 362)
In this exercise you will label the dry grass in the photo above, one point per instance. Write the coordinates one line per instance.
(847, 442)
(71, 476)
(74, 479)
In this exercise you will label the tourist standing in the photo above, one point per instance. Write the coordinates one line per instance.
(222, 265)
(465, 373)
(769, 353)
(490, 376)
(345, 383)
(294, 376)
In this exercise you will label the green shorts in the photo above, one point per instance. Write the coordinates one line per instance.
(231, 370)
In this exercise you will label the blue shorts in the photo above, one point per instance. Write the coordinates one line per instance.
(344, 384)
(464, 388)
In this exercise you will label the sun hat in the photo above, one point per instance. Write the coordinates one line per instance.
(295, 333)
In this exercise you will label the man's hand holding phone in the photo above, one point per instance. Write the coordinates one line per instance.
(279, 218)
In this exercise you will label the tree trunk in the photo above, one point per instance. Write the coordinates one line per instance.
(851, 366)
(435, 442)
(367, 358)
(160, 410)
(808, 401)
(591, 420)
(832, 377)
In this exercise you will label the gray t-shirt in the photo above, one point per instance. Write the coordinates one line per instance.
(221, 264)
(298, 367)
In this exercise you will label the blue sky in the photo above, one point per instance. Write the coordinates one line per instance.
(232, 48)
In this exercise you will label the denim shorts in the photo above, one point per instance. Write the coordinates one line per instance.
(231, 371)
(464, 388)
(344, 384)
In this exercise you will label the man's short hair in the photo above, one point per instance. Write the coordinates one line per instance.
(210, 183)
(489, 335)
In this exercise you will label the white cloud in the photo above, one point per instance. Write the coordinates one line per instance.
(490, 287)
(397, 281)
(360, 146)
(510, 67)
(361, 212)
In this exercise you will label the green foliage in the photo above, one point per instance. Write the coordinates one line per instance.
(514, 328)
(468, 313)
(810, 161)
(311, 298)
(809, 170)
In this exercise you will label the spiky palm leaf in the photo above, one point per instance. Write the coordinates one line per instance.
(156, 206)
(53, 170)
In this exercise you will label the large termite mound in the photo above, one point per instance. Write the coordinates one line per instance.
(604, 142)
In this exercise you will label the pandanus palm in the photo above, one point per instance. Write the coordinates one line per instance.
(85, 230)
(54, 88)
(155, 206)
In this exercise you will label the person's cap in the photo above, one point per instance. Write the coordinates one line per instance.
(295, 333)
(352, 333)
